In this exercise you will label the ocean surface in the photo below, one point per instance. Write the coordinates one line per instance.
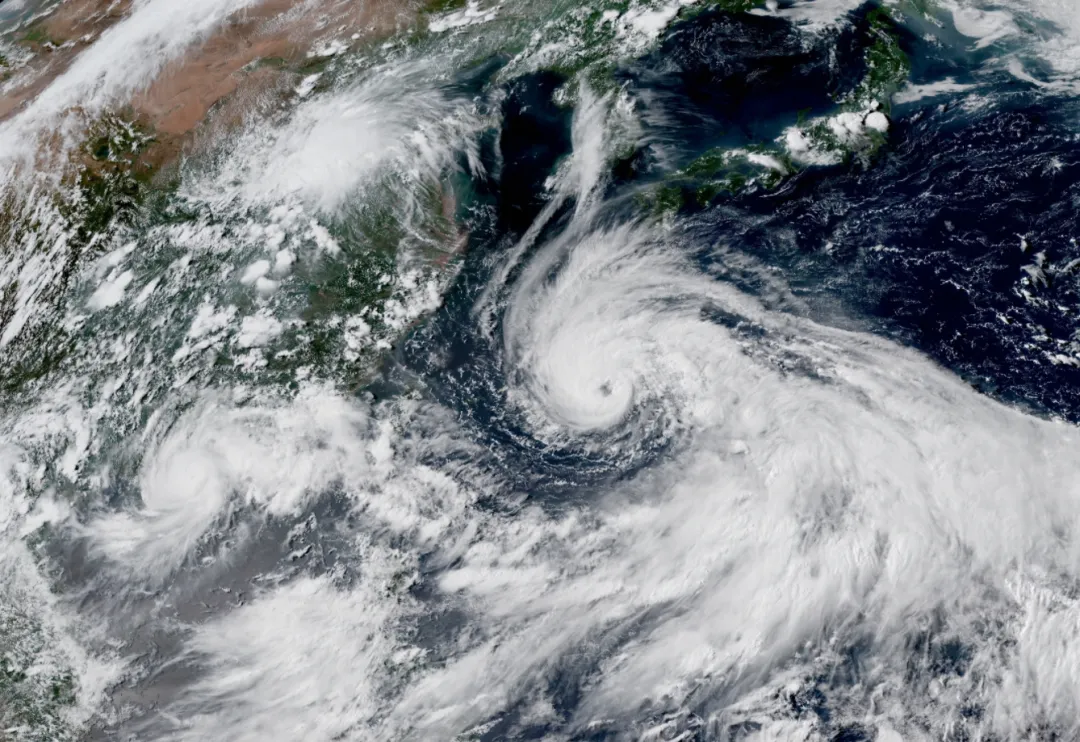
(554, 371)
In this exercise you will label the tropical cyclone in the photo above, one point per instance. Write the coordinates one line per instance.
(536, 370)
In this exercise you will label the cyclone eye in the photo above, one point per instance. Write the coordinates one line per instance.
(605, 389)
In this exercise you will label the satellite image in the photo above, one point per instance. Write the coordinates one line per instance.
(562, 370)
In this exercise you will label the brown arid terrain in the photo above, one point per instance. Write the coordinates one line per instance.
(178, 100)
(56, 41)
(257, 52)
